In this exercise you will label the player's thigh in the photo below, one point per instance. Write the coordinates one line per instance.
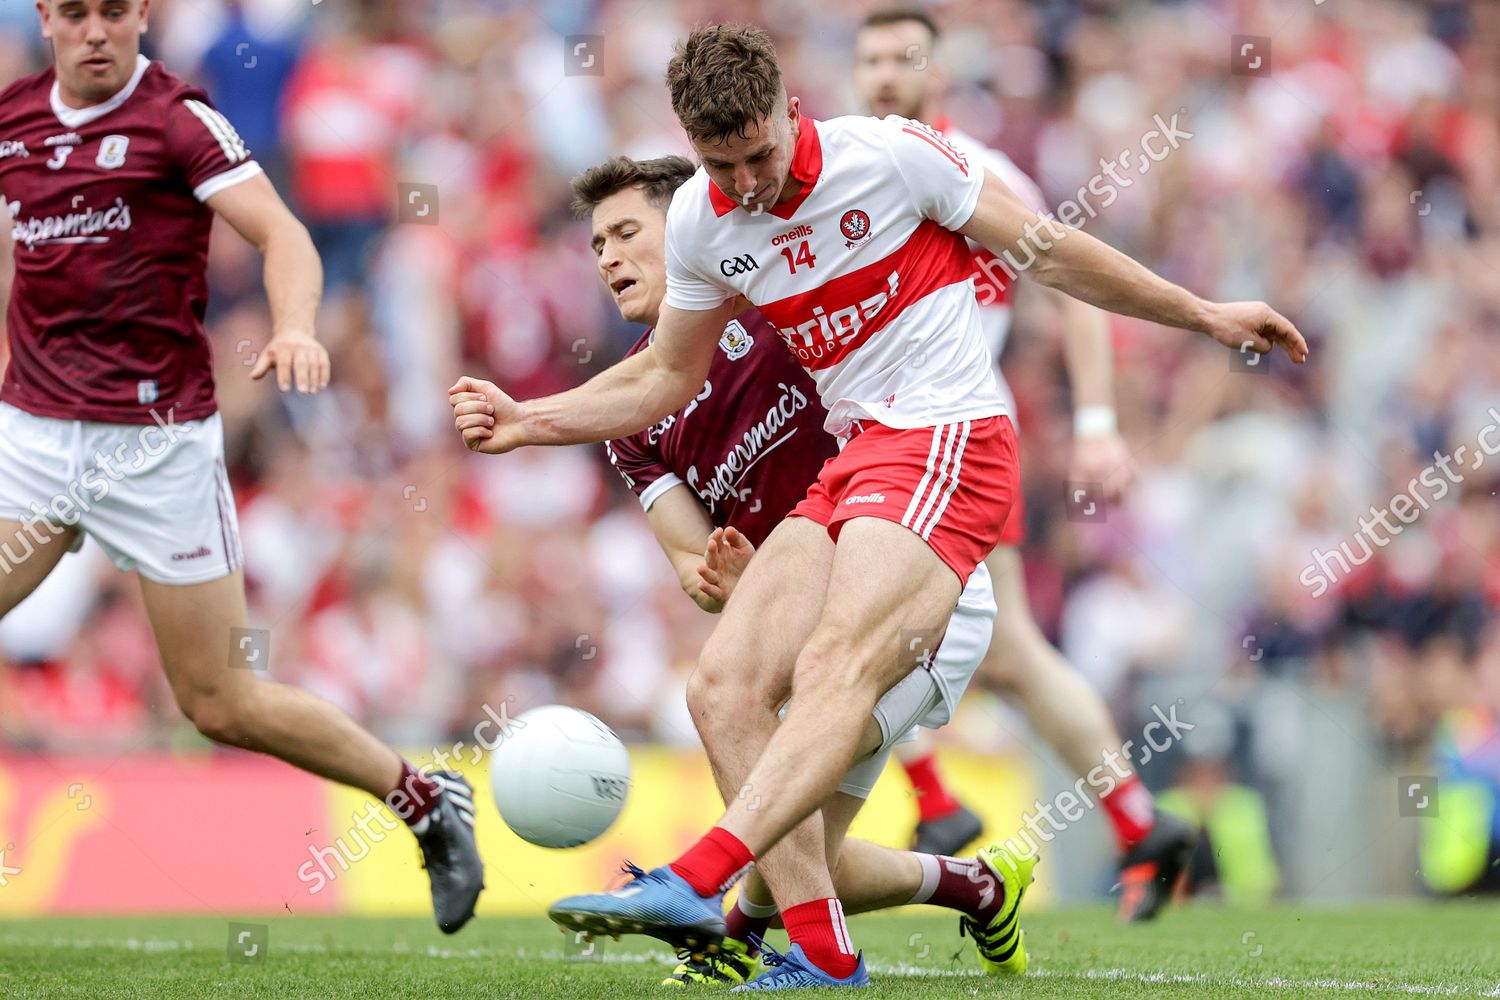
(200, 632)
(28, 552)
(773, 609)
(888, 600)
(39, 500)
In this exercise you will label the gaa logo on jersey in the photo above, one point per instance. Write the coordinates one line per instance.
(855, 225)
(112, 151)
(736, 341)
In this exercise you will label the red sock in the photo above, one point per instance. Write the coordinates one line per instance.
(934, 801)
(962, 884)
(1130, 810)
(747, 918)
(820, 929)
(712, 864)
(414, 795)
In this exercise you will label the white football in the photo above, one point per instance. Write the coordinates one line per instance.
(560, 776)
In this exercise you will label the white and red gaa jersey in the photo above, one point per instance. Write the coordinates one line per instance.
(862, 274)
(993, 284)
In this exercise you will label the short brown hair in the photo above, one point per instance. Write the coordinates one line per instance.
(658, 179)
(900, 15)
(723, 79)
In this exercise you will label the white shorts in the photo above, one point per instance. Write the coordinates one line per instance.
(154, 496)
(928, 695)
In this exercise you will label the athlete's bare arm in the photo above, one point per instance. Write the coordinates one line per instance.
(618, 402)
(293, 279)
(1074, 262)
(682, 528)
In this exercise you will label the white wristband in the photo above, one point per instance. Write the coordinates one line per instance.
(1094, 421)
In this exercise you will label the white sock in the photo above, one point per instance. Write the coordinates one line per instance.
(750, 908)
(931, 871)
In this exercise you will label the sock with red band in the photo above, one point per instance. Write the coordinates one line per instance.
(413, 797)
(962, 884)
(1131, 811)
(819, 928)
(746, 918)
(712, 864)
(934, 801)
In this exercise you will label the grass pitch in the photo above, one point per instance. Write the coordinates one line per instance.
(1398, 950)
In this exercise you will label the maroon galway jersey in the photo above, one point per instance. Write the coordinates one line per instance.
(111, 245)
(748, 446)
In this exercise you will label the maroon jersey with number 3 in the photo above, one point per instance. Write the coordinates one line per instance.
(748, 446)
(111, 245)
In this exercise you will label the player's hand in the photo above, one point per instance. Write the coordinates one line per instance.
(1255, 326)
(297, 357)
(1102, 459)
(486, 418)
(725, 558)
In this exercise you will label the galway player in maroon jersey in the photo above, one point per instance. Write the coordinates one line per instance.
(896, 71)
(111, 171)
(877, 300)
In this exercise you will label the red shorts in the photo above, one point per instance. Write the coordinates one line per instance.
(954, 485)
(1014, 532)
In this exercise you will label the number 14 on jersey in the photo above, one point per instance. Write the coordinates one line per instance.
(803, 258)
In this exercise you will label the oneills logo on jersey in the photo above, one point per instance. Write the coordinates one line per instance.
(112, 152)
(736, 341)
(800, 233)
(66, 139)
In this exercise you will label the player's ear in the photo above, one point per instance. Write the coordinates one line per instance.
(793, 109)
(145, 9)
(44, 11)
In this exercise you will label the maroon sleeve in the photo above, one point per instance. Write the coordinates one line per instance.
(205, 146)
(640, 464)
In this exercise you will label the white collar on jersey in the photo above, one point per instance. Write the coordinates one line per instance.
(78, 117)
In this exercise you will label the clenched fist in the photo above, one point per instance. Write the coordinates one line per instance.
(488, 420)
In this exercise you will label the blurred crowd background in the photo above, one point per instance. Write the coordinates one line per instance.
(1351, 177)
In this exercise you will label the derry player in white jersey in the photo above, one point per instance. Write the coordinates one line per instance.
(896, 71)
(874, 294)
